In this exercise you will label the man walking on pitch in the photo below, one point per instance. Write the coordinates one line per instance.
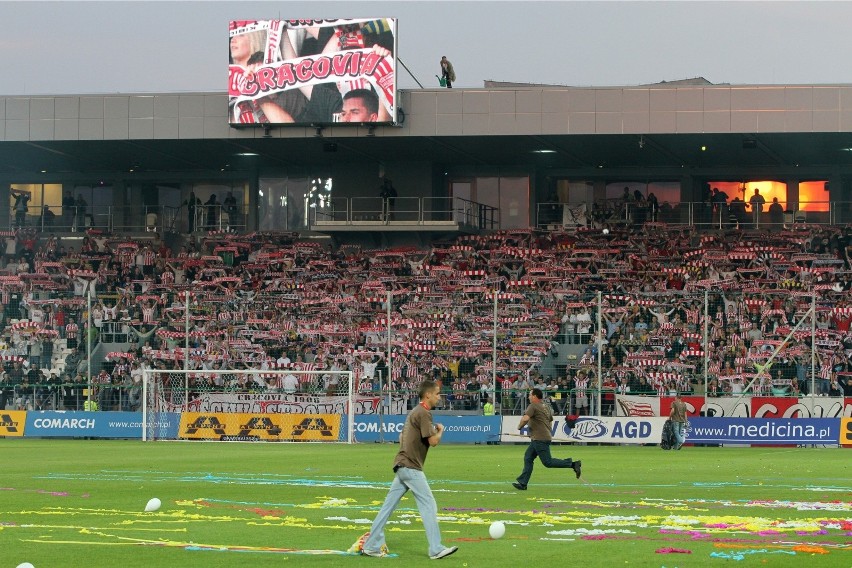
(678, 418)
(539, 417)
(418, 435)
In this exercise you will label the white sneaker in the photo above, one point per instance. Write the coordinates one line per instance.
(444, 553)
(374, 553)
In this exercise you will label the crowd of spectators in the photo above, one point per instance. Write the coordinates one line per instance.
(268, 301)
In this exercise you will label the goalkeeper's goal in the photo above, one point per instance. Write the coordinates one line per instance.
(252, 405)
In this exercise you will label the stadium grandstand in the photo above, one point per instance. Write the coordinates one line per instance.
(608, 244)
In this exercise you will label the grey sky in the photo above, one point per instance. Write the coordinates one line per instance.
(135, 47)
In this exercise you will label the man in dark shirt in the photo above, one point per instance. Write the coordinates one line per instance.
(720, 207)
(418, 435)
(16, 377)
(756, 202)
(539, 417)
(846, 383)
(68, 209)
(20, 206)
(388, 194)
(6, 391)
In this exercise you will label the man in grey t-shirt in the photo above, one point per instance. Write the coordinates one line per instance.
(539, 418)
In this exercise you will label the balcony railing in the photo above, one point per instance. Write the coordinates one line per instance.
(615, 213)
(108, 219)
(401, 211)
(429, 212)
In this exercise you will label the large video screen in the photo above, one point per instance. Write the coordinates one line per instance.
(312, 72)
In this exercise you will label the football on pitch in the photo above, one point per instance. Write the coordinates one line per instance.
(152, 505)
(497, 529)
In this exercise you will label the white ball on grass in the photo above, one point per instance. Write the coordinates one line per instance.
(25, 565)
(152, 505)
(497, 529)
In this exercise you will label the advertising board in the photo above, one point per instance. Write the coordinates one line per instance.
(457, 429)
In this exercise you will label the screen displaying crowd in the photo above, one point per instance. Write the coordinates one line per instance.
(312, 72)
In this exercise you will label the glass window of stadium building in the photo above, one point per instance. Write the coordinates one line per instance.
(486, 202)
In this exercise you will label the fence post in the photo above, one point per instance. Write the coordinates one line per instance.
(600, 352)
(706, 342)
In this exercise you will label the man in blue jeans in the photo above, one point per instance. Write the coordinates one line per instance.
(678, 418)
(418, 435)
(539, 418)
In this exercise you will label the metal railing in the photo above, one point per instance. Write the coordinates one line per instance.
(432, 210)
(109, 218)
(70, 396)
(405, 211)
(613, 213)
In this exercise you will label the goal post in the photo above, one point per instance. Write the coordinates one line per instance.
(279, 405)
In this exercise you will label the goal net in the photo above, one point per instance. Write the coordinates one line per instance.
(250, 405)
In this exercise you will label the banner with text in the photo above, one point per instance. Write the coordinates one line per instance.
(12, 423)
(818, 431)
(245, 427)
(609, 430)
(736, 407)
(272, 403)
(457, 429)
(77, 424)
(846, 432)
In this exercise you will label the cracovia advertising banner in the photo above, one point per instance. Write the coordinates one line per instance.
(312, 72)
(739, 407)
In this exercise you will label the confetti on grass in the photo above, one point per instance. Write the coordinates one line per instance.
(678, 522)
(670, 550)
(270, 550)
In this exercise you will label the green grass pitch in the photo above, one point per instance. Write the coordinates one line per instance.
(80, 503)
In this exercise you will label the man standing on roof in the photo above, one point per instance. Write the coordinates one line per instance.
(447, 72)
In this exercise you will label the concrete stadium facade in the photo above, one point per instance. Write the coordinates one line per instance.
(508, 147)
